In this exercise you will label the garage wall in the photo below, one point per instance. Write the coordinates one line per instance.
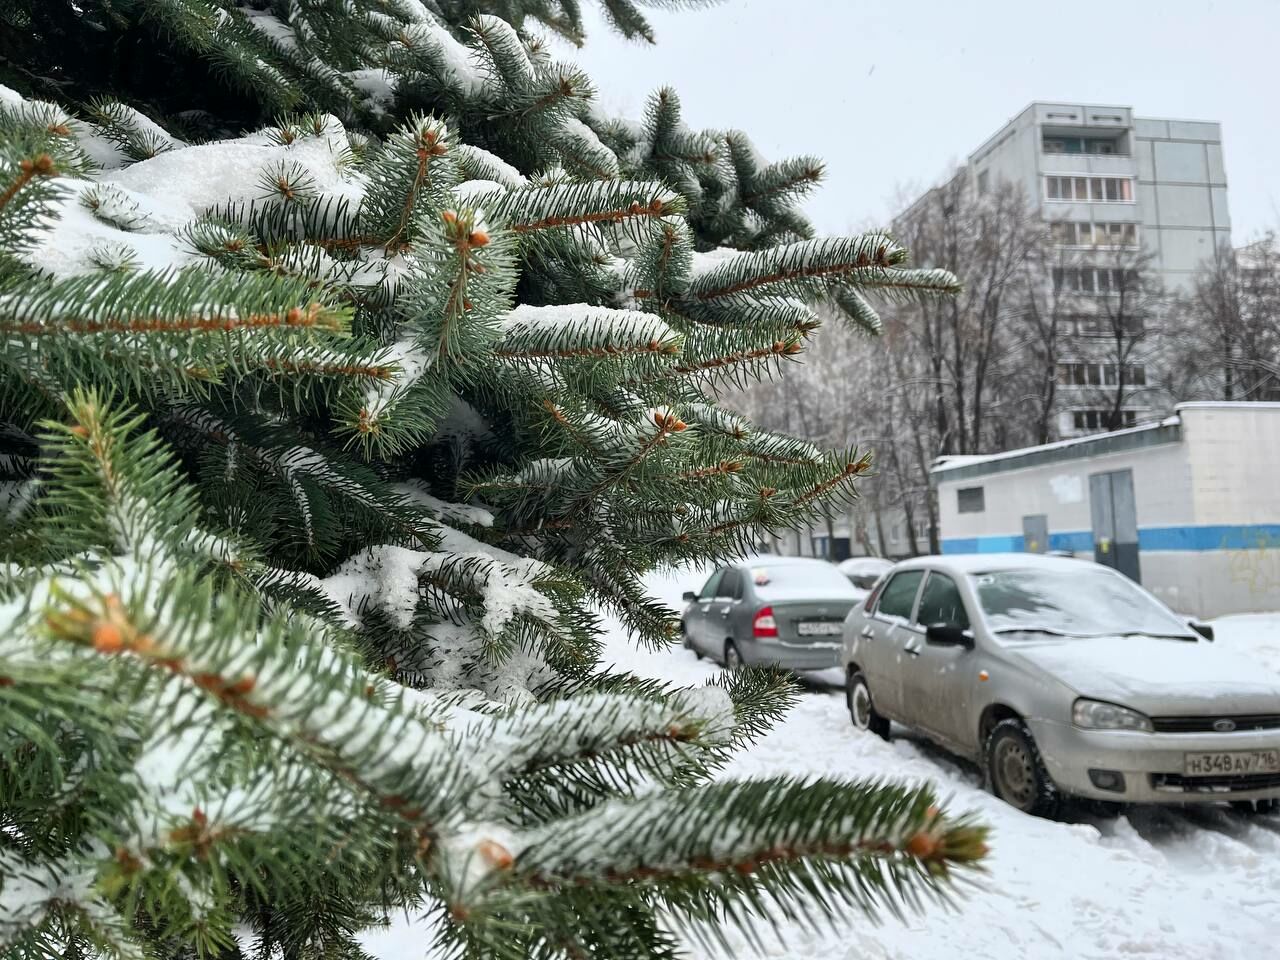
(1208, 507)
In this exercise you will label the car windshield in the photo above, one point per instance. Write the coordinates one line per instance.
(1084, 602)
(816, 579)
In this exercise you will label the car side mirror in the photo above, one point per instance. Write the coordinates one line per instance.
(946, 635)
(689, 596)
(1203, 629)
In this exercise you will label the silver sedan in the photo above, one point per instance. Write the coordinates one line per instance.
(1062, 677)
(783, 612)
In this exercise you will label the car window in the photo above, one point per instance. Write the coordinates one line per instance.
(709, 588)
(1077, 600)
(731, 586)
(899, 594)
(941, 603)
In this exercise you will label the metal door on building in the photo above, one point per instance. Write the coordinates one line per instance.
(1115, 521)
(1035, 533)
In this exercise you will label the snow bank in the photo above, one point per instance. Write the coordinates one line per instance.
(1153, 883)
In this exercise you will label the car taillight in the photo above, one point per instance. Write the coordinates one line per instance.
(764, 625)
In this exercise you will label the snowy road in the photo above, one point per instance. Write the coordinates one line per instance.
(1154, 883)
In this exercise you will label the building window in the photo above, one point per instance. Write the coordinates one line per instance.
(1092, 146)
(1077, 373)
(1097, 419)
(1093, 279)
(1104, 325)
(1101, 325)
(1068, 233)
(1089, 189)
(984, 181)
(970, 500)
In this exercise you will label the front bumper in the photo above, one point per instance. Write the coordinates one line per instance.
(1150, 762)
(818, 655)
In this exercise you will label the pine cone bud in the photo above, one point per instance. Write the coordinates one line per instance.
(478, 238)
(923, 845)
(107, 638)
(495, 854)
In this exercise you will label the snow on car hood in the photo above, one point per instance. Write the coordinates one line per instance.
(1158, 677)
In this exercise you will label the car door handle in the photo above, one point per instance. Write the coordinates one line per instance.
(724, 613)
(867, 631)
(914, 651)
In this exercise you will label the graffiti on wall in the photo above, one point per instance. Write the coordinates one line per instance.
(1257, 565)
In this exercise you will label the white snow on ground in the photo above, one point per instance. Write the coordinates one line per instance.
(1153, 883)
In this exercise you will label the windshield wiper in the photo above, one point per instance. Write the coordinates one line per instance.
(1049, 631)
(1045, 630)
(1155, 636)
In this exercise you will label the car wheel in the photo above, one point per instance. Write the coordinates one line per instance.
(732, 658)
(1256, 807)
(1015, 772)
(861, 710)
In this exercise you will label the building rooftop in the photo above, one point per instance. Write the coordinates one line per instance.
(1169, 430)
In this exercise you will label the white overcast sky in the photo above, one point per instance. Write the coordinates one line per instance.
(891, 95)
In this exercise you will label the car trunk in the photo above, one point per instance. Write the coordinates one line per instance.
(817, 616)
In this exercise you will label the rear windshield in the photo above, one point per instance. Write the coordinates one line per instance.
(1083, 602)
(815, 579)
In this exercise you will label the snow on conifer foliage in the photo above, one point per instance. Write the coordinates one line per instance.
(323, 440)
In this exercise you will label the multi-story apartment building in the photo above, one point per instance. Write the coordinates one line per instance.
(1124, 197)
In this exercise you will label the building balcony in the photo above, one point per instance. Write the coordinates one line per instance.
(1103, 165)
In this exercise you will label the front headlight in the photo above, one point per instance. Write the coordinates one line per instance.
(1096, 715)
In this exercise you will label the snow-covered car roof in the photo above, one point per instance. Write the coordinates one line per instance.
(864, 565)
(966, 563)
(773, 560)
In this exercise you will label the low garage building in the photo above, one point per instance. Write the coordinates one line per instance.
(1189, 506)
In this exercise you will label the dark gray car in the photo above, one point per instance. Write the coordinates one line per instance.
(770, 611)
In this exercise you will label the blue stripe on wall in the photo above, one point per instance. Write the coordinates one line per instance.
(1253, 536)
(983, 545)
(1249, 536)
(1077, 541)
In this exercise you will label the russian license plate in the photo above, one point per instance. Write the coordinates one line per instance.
(1230, 763)
(818, 628)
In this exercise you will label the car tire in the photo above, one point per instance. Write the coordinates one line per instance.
(1015, 771)
(862, 711)
(1252, 808)
(732, 658)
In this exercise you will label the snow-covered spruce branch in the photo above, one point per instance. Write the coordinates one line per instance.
(649, 733)
(736, 356)
(727, 845)
(841, 470)
(781, 184)
(414, 169)
(784, 313)
(796, 269)
(463, 281)
(182, 302)
(779, 448)
(854, 305)
(631, 206)
(310, 696)
(581, 331)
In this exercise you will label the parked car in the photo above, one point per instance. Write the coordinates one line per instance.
(863, 572)
(776, 611)
(1062, 677)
